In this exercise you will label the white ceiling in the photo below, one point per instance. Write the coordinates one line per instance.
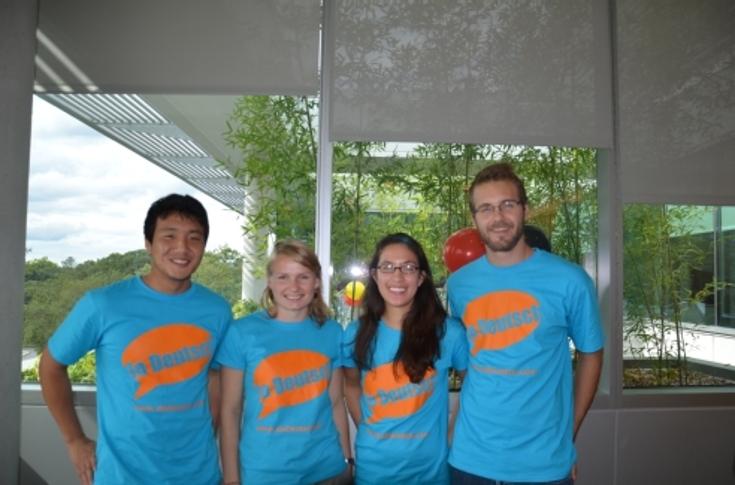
(182, 134)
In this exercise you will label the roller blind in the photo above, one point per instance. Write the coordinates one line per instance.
(466, 71)
(179, 46)
(676, 64)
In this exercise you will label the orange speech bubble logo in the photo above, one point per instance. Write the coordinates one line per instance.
(393, 395)
(167, 355)
(291, 378)
(498, 320)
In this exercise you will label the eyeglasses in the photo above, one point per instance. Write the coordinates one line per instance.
(503, 207)
(408, 268)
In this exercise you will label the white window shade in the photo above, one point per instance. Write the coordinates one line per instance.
(466, 71)
(178, 46)
(676, 65)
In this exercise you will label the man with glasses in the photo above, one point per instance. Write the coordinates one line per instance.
(521, 408)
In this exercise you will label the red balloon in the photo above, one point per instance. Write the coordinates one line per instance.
(351, 302)
(462, 247)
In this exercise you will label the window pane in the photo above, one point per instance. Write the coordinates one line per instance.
(678, 276)
(88, 197)
(724, 311)
(421, 189)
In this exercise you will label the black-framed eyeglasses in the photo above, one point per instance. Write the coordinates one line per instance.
(503, 207)
(408, 268)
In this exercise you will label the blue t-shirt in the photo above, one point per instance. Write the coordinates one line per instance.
(515, 422)
(402, 437)
(153, 353)
(288, 433)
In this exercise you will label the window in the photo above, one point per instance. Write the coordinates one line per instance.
(678, 295)
(421, 189)
(88, 197)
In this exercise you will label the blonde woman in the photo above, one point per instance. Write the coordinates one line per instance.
(286, 360)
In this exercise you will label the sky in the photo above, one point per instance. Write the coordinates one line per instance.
(88, 195)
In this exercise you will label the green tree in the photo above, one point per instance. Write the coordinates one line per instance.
(51, 290)
(276, 137)
(127, 264)
(48, 302)
(245, 307)
(660, 255)
(221, 271)
(561, 183)
(277, 141)
(41, 269)
(375, 192)
(81, 372)
(436, 179)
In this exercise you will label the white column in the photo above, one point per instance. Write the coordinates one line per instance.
(253, 265)
(324, 166)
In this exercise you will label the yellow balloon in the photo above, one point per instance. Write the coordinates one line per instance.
(355, 290)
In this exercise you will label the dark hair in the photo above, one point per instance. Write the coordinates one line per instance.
(301, 253)
(183, 205)
(536, 238)
(497, 172)
(423, 325)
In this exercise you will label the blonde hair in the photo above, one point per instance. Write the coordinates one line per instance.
(301, 253)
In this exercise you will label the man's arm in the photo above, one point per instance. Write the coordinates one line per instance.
(215, 397)
(586, 378)
(56, 390)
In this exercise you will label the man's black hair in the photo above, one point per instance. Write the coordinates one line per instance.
(536, 238)
(183, 205)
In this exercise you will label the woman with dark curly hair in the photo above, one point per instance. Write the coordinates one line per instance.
(397, 359)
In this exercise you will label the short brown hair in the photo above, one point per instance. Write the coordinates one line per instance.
(497, 172)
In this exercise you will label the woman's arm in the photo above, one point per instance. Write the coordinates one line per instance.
(214, 391)
(231, 420)
(454, 412)
(339, 412)
(353, 393)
